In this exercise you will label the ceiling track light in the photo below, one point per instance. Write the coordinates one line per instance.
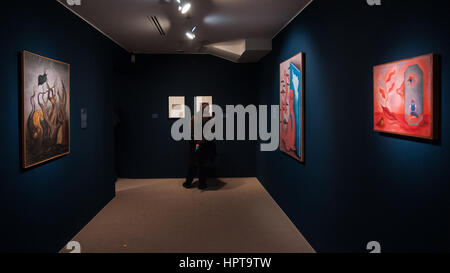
(184, 6)
(190, 34)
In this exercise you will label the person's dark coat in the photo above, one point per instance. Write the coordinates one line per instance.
(204, 155)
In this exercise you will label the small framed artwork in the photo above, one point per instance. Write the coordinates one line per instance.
(292, 92)
(45, 109)
(405, 97)
(201, 100)
(176, 107)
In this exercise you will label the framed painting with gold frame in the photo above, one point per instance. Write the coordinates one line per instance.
(45, 109)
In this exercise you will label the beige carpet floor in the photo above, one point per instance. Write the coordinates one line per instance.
(234, 215)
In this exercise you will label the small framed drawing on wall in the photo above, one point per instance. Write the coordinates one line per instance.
(176, 107)
(199, 101)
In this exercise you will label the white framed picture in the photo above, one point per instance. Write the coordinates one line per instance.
(176, 107)
(199, 100)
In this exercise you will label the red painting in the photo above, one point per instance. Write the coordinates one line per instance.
(404, 97)
(292, 107)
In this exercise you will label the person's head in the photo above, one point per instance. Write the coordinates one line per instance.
(412, 101)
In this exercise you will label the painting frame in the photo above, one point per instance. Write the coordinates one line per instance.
(179, 100)
(25, 164)
(432, 98)
(199, 100)
(297, 61)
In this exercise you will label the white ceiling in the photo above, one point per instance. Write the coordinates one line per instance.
(127, 22)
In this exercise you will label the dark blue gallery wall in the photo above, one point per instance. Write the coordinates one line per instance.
(357, 185)
(145, 148)
(44, 207)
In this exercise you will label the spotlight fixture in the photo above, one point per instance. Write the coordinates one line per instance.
(184, 6)
(190, 34)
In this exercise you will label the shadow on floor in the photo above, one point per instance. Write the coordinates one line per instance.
(215, 184)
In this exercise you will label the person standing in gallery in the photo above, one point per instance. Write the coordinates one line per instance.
(201, 155)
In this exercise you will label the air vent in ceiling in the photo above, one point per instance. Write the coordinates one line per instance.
(154, 20)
